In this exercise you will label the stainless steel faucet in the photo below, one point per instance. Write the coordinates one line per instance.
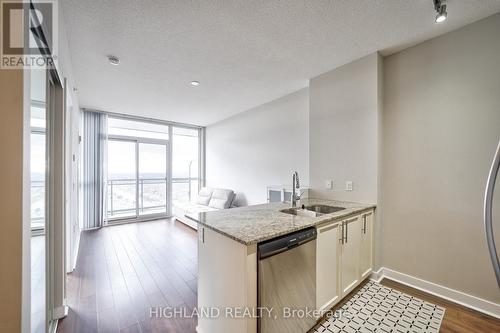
(295, 186)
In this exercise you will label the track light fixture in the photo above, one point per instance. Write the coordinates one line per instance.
(441, 13)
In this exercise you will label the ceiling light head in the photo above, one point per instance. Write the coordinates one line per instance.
(441, 13)
(194, 83)
(113, 60)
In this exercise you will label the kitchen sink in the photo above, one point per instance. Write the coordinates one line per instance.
(300, 212)
(324, 209)
(312, 211)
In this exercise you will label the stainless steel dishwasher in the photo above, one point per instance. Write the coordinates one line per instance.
(287, 282)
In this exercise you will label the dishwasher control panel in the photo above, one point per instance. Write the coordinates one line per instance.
(286, 242)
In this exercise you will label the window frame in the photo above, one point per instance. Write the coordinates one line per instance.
(169, 145)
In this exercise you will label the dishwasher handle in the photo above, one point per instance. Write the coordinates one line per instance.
(285, 243)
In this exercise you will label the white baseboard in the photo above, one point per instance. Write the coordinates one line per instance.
(377, 276)
(452, 295)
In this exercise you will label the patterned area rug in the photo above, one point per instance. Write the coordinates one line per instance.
(375, 308)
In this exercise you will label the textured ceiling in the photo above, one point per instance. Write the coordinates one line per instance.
(244, 53)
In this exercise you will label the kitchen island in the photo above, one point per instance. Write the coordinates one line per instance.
(228, 258)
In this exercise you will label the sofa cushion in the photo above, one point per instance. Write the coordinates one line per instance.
(221, 198)
(204, 196)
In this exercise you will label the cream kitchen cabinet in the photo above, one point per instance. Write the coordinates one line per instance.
(350, 253)
(366, 253)
(343, 257)
(327, 266)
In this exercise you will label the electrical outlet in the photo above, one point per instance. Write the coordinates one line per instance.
(348, 185)
(329, 184)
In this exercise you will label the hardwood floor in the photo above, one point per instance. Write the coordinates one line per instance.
(457, 318)
(124, 270)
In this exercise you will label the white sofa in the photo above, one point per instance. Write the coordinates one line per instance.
(209, 199)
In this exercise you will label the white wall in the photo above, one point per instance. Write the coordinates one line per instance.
(440, 126)
(416, 133)
(65, 69)
(260, 147)
(343, 135)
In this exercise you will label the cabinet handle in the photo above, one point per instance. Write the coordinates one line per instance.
(364, 224)
(346, 229)
(341, 239)
(343, 232)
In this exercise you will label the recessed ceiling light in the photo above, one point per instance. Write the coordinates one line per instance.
(113, 60)
(440, 8)
(441, 16)
(195, 83)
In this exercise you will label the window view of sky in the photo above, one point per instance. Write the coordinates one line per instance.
(121, 160)
(185, 153)
(152, 160)
(37, 156)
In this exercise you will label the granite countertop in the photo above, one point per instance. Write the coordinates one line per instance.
(253, 224)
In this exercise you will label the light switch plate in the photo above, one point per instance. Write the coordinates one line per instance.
(348, 185)
(329, 184)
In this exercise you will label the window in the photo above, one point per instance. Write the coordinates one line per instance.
(137, 129)
(37, 164)
(152, 178)
(185, 164)
(141, 156)
(122, 173)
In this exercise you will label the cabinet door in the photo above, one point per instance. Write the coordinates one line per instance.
(350, 273)
(327, 266)
(366, 255)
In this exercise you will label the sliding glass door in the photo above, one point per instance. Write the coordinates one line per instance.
(152, 178)
(137, 179)
(150, 167)
(137, 182)
(122, 179)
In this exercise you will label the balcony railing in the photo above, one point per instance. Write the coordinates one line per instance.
(122, 197)
(152, 195)
(184, 189)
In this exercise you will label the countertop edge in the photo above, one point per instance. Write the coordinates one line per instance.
(312, 224)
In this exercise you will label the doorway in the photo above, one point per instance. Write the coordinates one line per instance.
(38, 170)
(137, 179)
(47, 199)
(137, 170)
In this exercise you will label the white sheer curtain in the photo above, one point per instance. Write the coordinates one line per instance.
(95, 139)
